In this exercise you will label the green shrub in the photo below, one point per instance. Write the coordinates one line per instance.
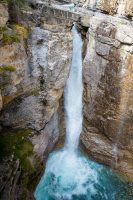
(15, 142)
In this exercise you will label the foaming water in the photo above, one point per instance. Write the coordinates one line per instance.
(75, 177)
(69, 174)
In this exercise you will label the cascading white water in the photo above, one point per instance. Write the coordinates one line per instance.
(73, 95)
(69, 175)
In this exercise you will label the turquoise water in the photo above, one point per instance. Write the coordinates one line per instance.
(75, 177)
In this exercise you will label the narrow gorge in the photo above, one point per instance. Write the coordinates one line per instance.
(69, 174)
(66, 85)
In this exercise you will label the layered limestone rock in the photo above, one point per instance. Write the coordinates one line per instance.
(34, 68)
(40, 86)
(13, 69)
(120, 7)
(108, 86)
(125, 8)
(112, 7)
(109, 6)
(32, 78)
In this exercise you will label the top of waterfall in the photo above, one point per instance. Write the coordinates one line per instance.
(74, 29)
(77, 34)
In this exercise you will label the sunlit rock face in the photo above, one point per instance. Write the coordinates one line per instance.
(108, 86)
(12, 80)
(120, 7)
(41, 82)
(125, 8)
(107, 6)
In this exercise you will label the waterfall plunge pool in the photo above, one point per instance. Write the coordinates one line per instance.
(72, 176)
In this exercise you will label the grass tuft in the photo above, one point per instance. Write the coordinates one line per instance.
(10, 38)
(7, 68)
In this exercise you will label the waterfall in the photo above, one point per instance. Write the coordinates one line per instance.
(69, 174)
(73, 95)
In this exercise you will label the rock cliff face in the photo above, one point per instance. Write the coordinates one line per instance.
(34, 67)
(112, 7)
(108, 92)
(31, 92)
(35, 57)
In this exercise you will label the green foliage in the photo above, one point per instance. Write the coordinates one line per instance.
(2, 29)
(15, 8)
(21, 4)
(10, 38)
(16, 34)
(4, 74)
(21, 31)
(15, 142)
(13, 1)
(7, 68)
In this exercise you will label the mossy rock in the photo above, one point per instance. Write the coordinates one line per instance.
(16, 143)
(2, 29)
(5, 75)
(21, 31)
(9, 38)
(7, 68)
(17, 33)
(33, 92)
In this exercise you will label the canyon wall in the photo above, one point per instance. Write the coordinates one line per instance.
(111, 7)
(33, 76)
(108, 86)
(35, 56)
(34, 67)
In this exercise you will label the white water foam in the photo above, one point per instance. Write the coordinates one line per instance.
(73, 95)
